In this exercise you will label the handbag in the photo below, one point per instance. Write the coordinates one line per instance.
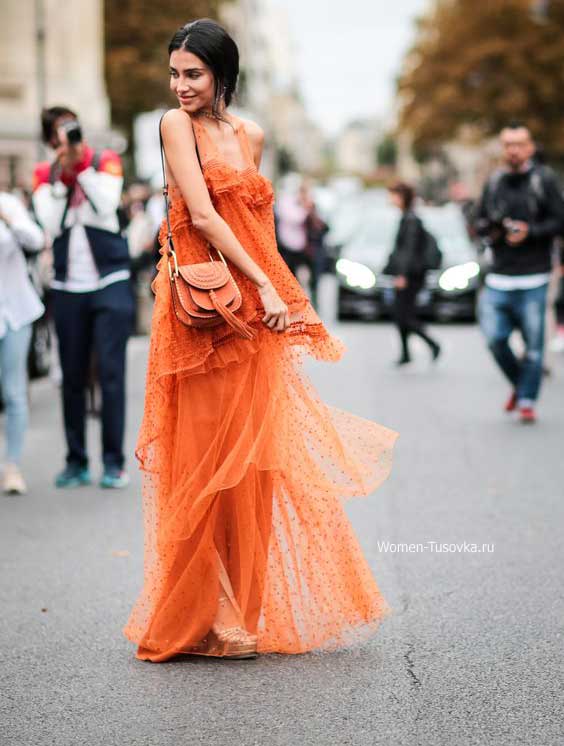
(205, 294)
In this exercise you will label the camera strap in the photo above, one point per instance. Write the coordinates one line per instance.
(55, 175)
(536, 195)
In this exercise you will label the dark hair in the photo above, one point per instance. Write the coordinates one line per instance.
(406, 192)
(212, 44)
(48, 119)
(516, 124)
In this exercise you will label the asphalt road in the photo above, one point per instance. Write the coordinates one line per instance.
(473, 653)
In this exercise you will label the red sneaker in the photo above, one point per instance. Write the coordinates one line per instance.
(527, 415)
(511, 403)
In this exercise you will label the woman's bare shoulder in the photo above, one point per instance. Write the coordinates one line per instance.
(175, 120)
(255, 133)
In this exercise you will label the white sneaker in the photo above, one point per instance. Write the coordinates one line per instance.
(14, 483)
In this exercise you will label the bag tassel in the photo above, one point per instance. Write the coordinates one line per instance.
(243, 329)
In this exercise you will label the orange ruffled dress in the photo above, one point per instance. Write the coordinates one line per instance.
(242, 460)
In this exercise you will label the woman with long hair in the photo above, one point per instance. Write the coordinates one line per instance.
(247, 545)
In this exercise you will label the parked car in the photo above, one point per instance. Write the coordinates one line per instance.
(449, 293)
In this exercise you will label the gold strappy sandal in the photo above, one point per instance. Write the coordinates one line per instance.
(232, 642)
(227, 642)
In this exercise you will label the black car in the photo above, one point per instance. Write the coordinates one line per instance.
(449, 293)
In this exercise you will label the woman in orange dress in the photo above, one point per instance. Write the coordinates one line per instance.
(247, 545)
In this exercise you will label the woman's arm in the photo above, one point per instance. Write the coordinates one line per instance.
(182, 160)
(23, 229)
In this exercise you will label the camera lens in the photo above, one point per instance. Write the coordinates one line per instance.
(74, 132)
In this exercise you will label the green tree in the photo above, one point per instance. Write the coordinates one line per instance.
(137, 33)
(484, 64)
(387, 151)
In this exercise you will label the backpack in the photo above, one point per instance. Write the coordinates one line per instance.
(429, 256)
(432, 255)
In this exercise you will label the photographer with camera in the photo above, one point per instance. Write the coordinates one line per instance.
(520, 213)
(76, 197)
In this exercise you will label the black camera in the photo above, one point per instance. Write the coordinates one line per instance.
(73, 131)
(496, 225)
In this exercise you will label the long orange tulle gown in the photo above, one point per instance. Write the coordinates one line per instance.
(244, 466)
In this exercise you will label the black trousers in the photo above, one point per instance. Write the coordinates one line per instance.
(99, 322)
(405, 315)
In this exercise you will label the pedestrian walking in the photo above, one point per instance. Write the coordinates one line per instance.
(248, 548)
(520, 213)
(20, 306)
(76, 198)
(291, 227)
(407, 263)
(316, 230)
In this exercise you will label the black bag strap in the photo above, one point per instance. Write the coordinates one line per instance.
(65, 211)
(96, 160)
(536, 195)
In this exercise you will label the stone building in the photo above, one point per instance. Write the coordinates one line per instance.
(51, 53)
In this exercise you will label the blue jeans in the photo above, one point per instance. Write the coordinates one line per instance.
(14, 348)
(502, 311)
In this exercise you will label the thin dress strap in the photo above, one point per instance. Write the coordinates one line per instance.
(205, 144)
(210, 151)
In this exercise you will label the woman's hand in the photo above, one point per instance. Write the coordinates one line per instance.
(400, 282)
(276, 315)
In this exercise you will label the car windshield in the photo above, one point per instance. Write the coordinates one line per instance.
(374, 237)
(448, 226)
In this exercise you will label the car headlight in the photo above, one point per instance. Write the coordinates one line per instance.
(459, 276)
(356, 275)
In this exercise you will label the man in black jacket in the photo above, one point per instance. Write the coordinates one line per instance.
(520, 213)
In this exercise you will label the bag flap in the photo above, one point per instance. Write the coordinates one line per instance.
(207, 275)
(226, 295)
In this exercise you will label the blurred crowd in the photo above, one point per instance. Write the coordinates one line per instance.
(300, 234)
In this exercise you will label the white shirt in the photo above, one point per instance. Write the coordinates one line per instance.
(82, 273)
(19, 302)
(517, 282)
(291, 222)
